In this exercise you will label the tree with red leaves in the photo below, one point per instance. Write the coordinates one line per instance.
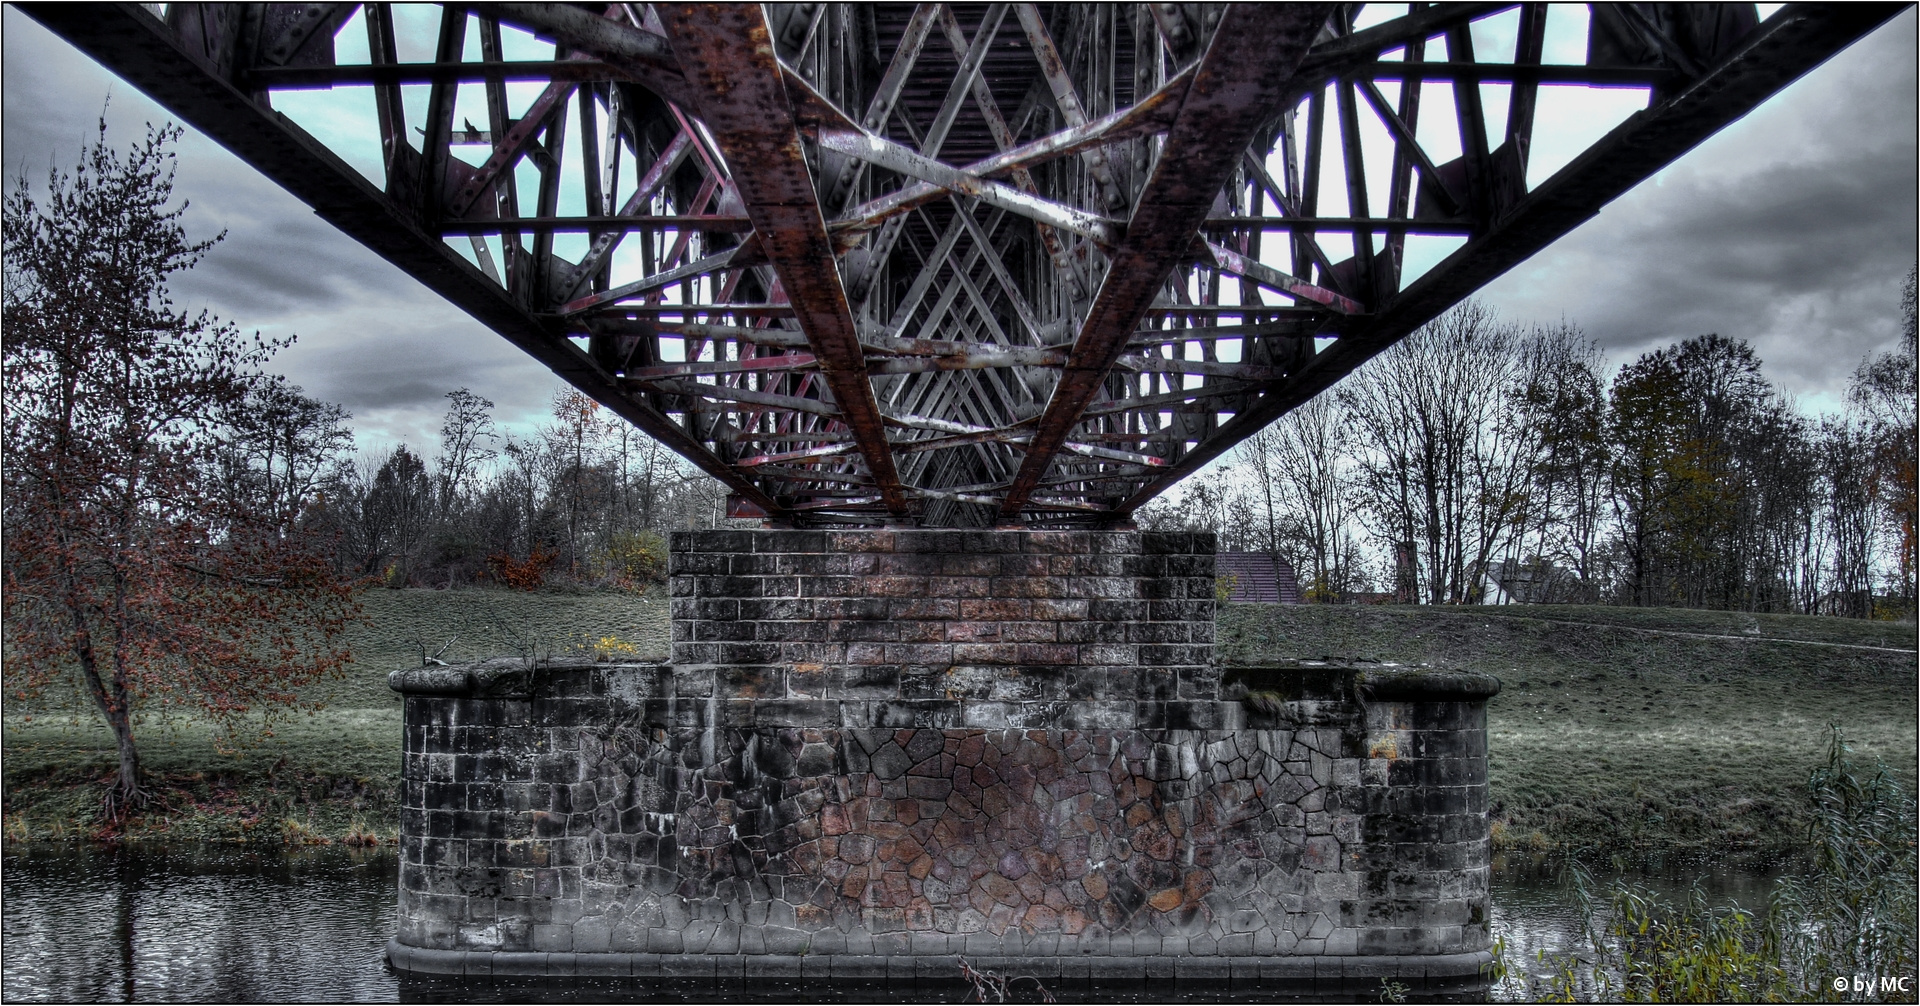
(127, 572)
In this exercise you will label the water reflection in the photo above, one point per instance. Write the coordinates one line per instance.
(195, 923)
(231, 923)
(1535, 911)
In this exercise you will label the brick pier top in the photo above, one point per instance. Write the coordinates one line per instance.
(879, 604)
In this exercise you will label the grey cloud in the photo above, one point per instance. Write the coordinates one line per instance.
(1700, 253)
(369, 336)
(273, 270)
(393, 367)
(1791, 229)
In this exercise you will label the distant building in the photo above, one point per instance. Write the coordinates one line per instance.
(1536, 582)
(1258, 577)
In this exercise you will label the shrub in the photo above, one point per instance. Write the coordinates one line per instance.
(1224, 585)
(522, 574)
(1851, 913)
(1854, 912)
(637, 558)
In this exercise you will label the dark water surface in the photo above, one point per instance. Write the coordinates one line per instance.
(1535, 910)
(229, 923)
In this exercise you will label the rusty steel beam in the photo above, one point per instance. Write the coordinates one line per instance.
(1236, 87)
(645, 57)
(300, 78)
(752, 310)
(757, 336)
(726, 53)
(834, 450)
(748, 396)
(1786, 46)
(984, 360)
(552, 102)
(1151, 115)
(1511, 73)
(144, 52)
(751, 365)
(664, 278)
(1326, 223)
(885, 95)
(1066, 98)
(888, 154)
(713, 223)
(1337, 56)
(643, 192)
(1227, 260)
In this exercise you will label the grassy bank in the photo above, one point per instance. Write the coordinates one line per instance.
(1618, 728)
(326, 776)
(329, 777)
(1638, 729)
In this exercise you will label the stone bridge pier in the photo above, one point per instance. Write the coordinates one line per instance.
(875, 751)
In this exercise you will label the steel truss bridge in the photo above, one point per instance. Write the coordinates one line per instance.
(953, 264)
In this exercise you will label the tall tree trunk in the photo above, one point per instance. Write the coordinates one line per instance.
(127, 784)
(116, 707)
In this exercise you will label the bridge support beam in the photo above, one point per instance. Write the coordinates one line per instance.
(877, 751)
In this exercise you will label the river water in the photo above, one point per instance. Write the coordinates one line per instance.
(231, 923)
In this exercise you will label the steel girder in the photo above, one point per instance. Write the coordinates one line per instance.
(960, 264)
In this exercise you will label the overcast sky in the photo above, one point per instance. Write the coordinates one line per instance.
(1791, 229)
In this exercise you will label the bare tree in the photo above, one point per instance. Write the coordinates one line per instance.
(281, 451)
(1885, 389)
(1259, 454)
(1853, 510)
(573, 445)
(1444, 452)
(464, 435)
(399, 515)
(1300, 468)
(1715, 480)
(1564, 399)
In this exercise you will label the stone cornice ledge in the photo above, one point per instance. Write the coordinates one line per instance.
(665, 689)
(1433, 968)
(498, 678)
(1418, 683)
(1368, 681)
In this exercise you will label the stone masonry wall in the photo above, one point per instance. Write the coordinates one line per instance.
(858, 801)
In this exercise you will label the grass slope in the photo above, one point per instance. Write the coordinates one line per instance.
(328, 774)
(1618, 728)
(1623, 729)
(472, 624)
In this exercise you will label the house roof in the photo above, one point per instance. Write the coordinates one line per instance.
(1258, 577)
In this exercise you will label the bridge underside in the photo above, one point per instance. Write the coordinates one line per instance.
(956, 265)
